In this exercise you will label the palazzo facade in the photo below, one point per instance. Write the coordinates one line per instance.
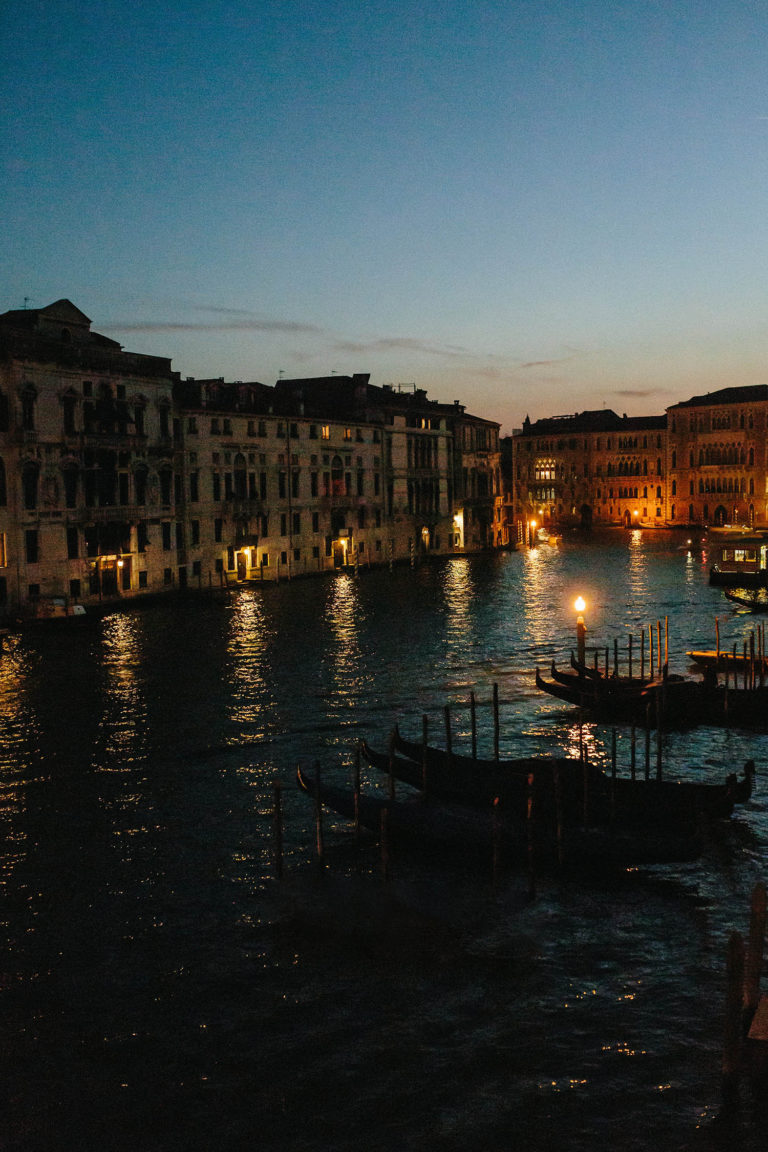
(118, 478)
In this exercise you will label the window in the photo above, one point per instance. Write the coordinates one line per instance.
(29, 478)
(195, 531)
(3, 551)
(31, 546)
(69, 404)
(28, 398)
(218, 529)
(140, 485)
(166, 528)
(296, 523)
(143, 578)
(326, 431)
(194, 487)
(73, 549)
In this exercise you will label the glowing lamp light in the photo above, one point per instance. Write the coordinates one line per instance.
(581, 631)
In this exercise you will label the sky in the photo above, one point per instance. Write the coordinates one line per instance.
(533, 208)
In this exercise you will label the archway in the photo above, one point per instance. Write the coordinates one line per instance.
(721, 515)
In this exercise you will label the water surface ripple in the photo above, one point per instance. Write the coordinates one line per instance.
(162, 991)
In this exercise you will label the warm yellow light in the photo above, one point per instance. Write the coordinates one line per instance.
(635, 512)
(580, 604)
(533, 523)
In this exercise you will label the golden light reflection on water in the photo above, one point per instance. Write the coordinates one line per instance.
(125, 714)
(248, 647)
(637, 575)
(458, 592)
(19, 730)
(343, 617)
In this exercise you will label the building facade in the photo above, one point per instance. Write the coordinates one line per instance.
(119, 479)
(717, 458)
(705, 461)
(590, 468)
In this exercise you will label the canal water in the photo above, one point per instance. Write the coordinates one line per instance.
(161, 990)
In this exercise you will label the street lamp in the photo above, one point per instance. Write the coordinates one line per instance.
(581, 631)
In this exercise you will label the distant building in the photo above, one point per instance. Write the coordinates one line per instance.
(590, 468)
(87, 462)
(717, 458)
(119, 479)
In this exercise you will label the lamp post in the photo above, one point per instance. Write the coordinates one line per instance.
(581, 631)
(531, 530)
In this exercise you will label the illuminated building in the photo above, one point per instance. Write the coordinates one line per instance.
(87, 464)
(590, 468)
(717, 457)
(119, 479)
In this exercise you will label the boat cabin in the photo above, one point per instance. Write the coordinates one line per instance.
(739, 560)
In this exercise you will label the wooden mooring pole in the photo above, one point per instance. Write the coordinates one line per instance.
(277, 828)
(496, 723)
(356, 796)
(424, 753)
(734, 1004)
(319, 839)
(473, 722)
(530, 830)
(384, 842)
(753, 963)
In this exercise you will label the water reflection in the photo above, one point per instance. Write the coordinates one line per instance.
(637, 572)
(124, 718)
(249, 642)
(343, 662)
(460, 618)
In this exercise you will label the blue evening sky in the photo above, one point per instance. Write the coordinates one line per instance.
(531, 207)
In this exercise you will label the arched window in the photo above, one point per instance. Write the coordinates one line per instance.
(240, 477)
(3, 485)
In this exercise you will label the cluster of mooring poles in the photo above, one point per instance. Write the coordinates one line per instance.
(641, 768)
(654, 657)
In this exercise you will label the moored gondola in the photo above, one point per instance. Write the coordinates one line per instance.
(472, 835)
(559, 787)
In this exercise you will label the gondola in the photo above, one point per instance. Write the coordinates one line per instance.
(557, 786)
(472, 835)
(756, 602)
(460, 779)
(680, 702)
